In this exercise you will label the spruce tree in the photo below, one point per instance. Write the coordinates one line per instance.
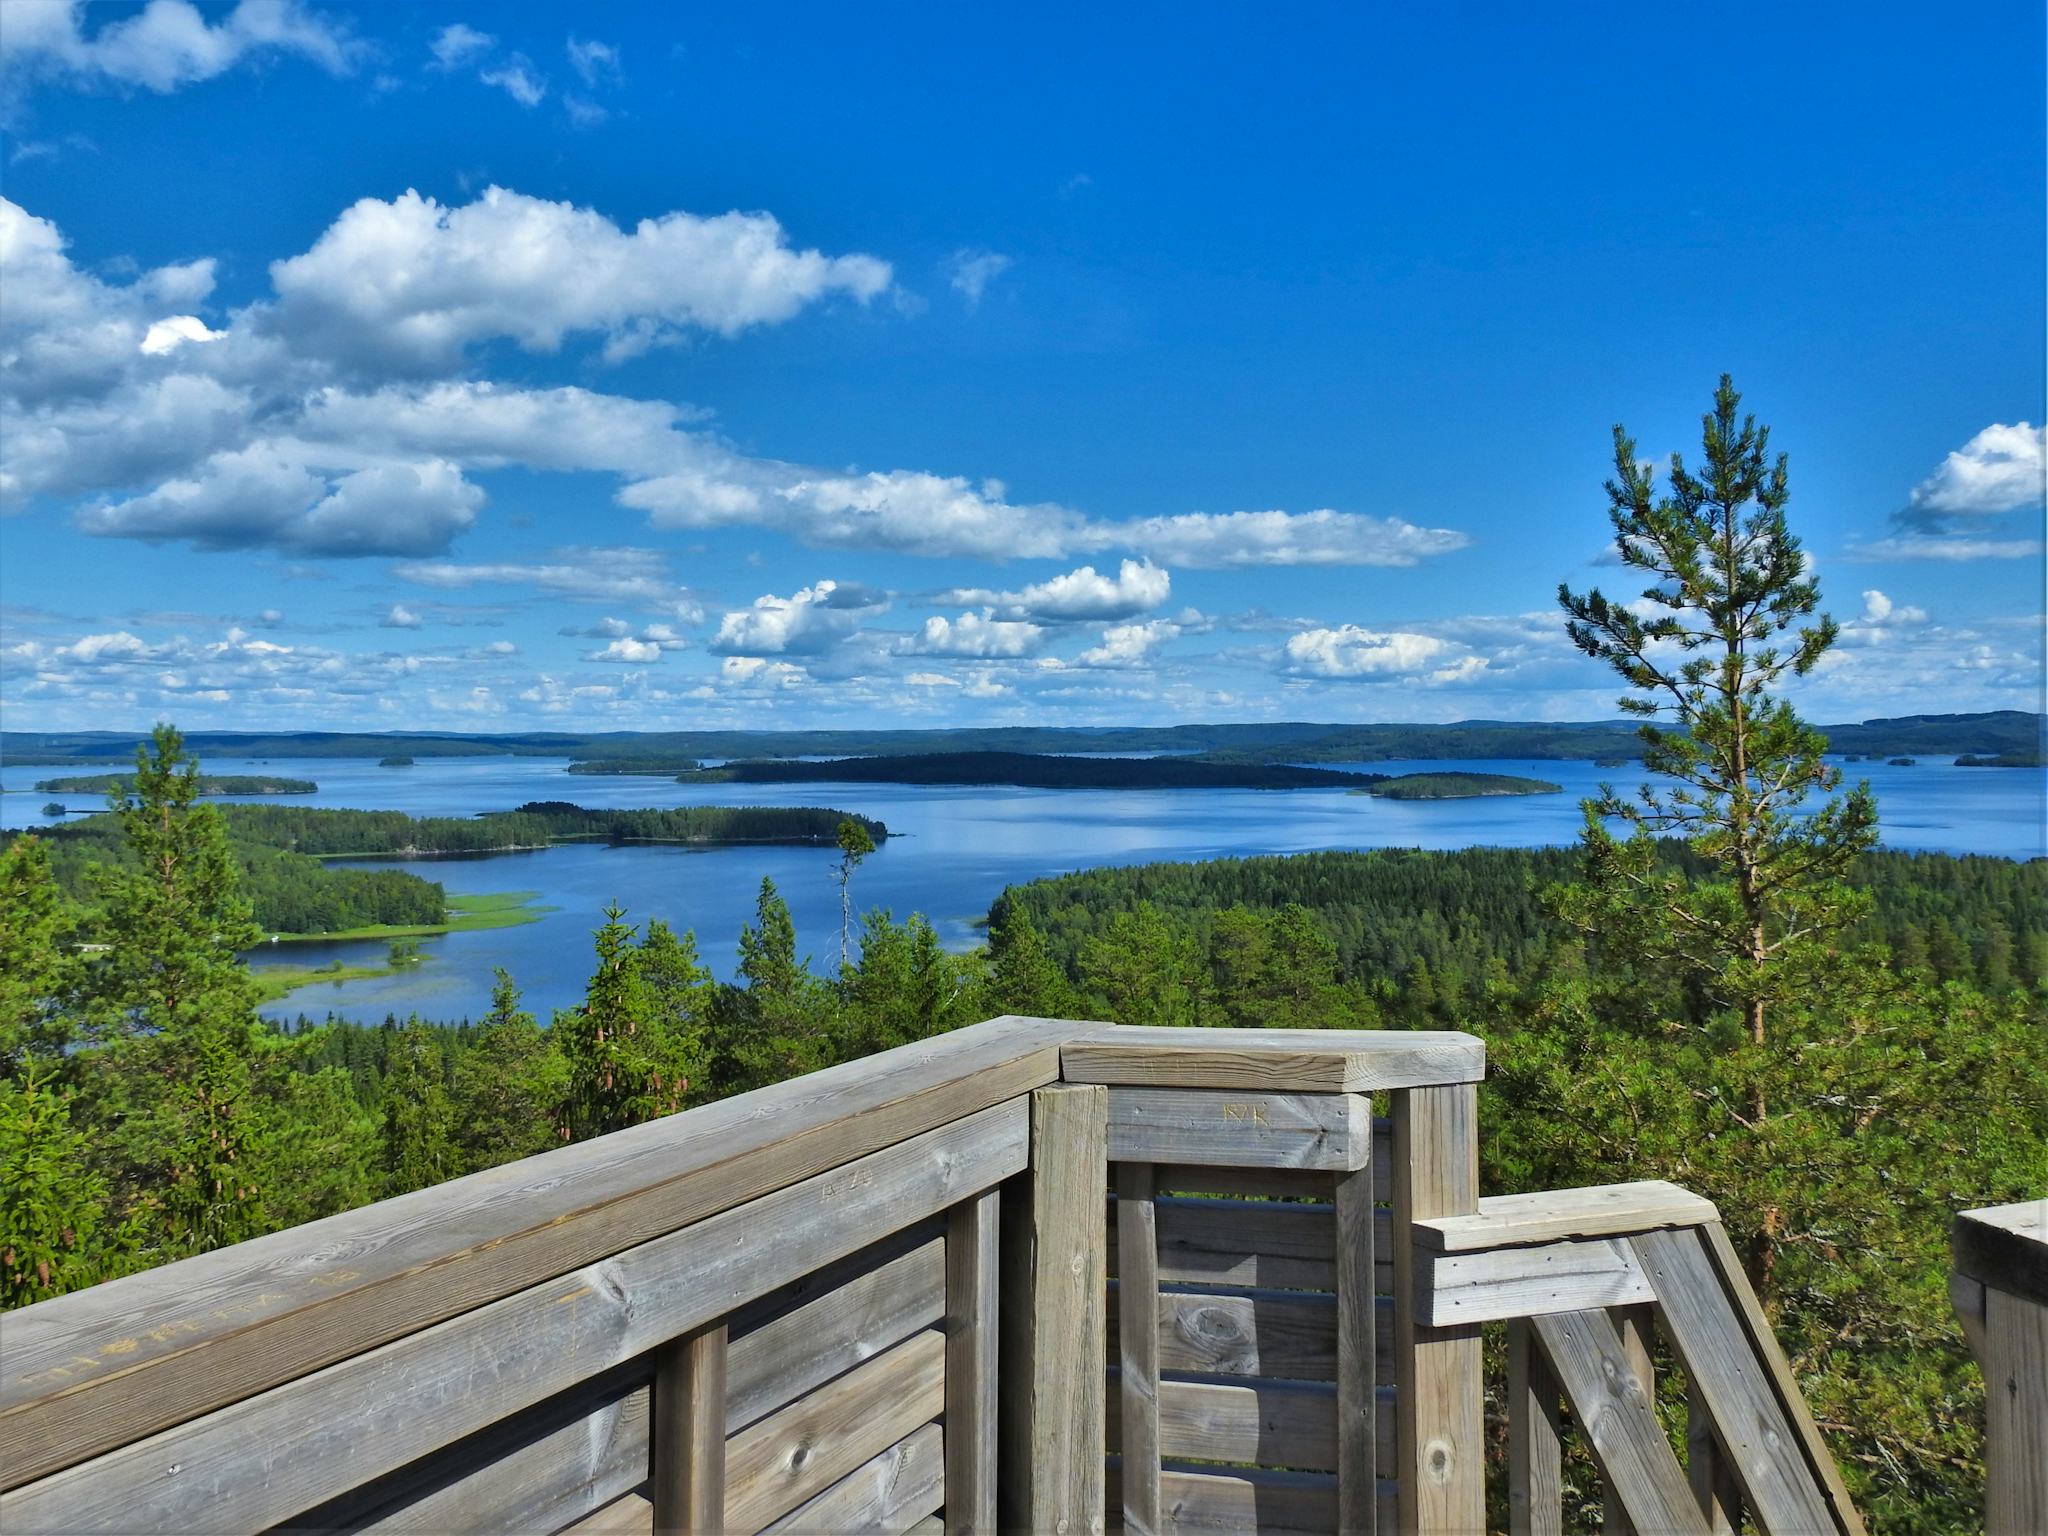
(1023, 976)
(509, 1085)
(38, 961)
(598, 1038)
(419, 1119)
(1722, 625)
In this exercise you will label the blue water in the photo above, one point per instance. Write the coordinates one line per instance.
(955, 850)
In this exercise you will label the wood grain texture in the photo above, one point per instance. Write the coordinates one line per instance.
(1586, 1355)
(2005, 1246)
(1354, 1226)
(688, 1475)
(1138, 1390)
(1281, 1246)
(1290, 1424)
(1289, 1334)
(1273, 1060)
(1436, 1370)
(109, 1365)
(1495, 1284)
(1535, 1448)
(1603, 1210)
(889, 1492)
(1256, 1183)
(2015, 1362)
(534, 1472)
(872, 1307)
(1054, 1290)
(265, 1459)
(1205, 1501)
(775, 1465)
(1706, 1468)
(1635, 1326)
(1240, 1129)
(1780, 1485)
(973, 1297)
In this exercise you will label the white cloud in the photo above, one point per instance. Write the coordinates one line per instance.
(1323, 537)
(170, 334)
(1128, 645)
(401, 617)
(412, 282)
(1085, 593)
(167, 44)
(581, 573)
(806, 623)
(756, 673)
(459, 44)
(1951, 547)
(595, 63)
(2001, 469)
(971, 271)
(639, 652)
(973, 635)
(517, 78)
(1349, 651)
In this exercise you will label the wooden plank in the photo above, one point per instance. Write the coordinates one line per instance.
(541, 1469)
(1735, 1284)
(1966, 1296)
(775, 1465)
(2015, 1363)
(1288, 1424)
(688, 1475)
(1357, 1355)
(888, 1493)
(1500, 1283)
(632, 1514)
(108, 1365)
(1586, 1355)
(871, 1307)
(1265, 1243)
(1138, 1391)
(2005, 1246)
(1258, 1130)
(1289, 1334)
(1635, 1327)
(1054, 1291)
(1436, 1370)
(1273, 1060)
(1765, 1452)
(1706, 1468)
(1254, 1183)
(1604, 1210)
(1203, 1501)
(1535, 1449)
(973, 1299)
(263, 1460)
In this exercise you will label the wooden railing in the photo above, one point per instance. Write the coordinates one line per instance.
(1033, 1275)
(2000, 1288)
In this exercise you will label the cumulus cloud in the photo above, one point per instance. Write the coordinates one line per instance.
(401, 617)
(973, 635)
(639, 652)
(971, 271)
(1349, 651)
(1322, 537)
(1958, 512)
(170, 334)
(806, 623)
(1128, 645)
(413, 282)
(1137, 586)
(168, 44)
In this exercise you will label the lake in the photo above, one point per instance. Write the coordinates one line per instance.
(955, 850)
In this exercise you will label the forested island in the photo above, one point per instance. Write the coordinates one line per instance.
(537, 824)
(1030, 770)
(2003, 760)
(653, 767)
(210, 784)
(394, 762)
(1990, 732)
(1458, 786)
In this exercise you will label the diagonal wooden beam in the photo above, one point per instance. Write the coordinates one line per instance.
(1588, 1359)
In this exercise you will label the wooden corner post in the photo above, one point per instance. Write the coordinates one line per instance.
(1438, 1386)
(1054, 1310)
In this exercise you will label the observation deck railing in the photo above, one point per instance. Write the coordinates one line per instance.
(1033, 1275)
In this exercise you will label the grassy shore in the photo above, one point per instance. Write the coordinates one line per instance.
(488, 909)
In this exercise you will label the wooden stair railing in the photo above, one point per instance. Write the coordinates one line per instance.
(2000, 1289)
(1583, 1278)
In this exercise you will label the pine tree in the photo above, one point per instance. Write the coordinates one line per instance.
(854, 845)
(1727, 578)
(598, 1038)
(779, 1023)
(676, 1066)
(55, 1231)
(509, 1085)
(38, 965)
(419, 1119)
(1023, 976)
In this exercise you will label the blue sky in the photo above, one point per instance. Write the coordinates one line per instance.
(506, 366)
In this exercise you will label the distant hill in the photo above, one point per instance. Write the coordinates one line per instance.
(1992, 734)
(1034, 771)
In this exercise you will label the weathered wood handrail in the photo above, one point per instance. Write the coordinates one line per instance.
(2000, 1289)
(1585, 1278)
(898, 1295)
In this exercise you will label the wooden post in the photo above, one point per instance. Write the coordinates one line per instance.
(2004, 1251)
(1535, 1453)
(1636, 1325)
(973, 1300)
(689, 1433)
(1706, 1468)
(1357, 1362)
(1442, 1465)
(1055, 1285)
(1138, 1345)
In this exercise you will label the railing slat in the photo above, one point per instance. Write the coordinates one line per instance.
(1535, 1449)
(973, 1338)
(1635, 1325)
(1586, 1354)
(689, 1433)
(1357, 1354)
(894, 1490)
(1139, 1403)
